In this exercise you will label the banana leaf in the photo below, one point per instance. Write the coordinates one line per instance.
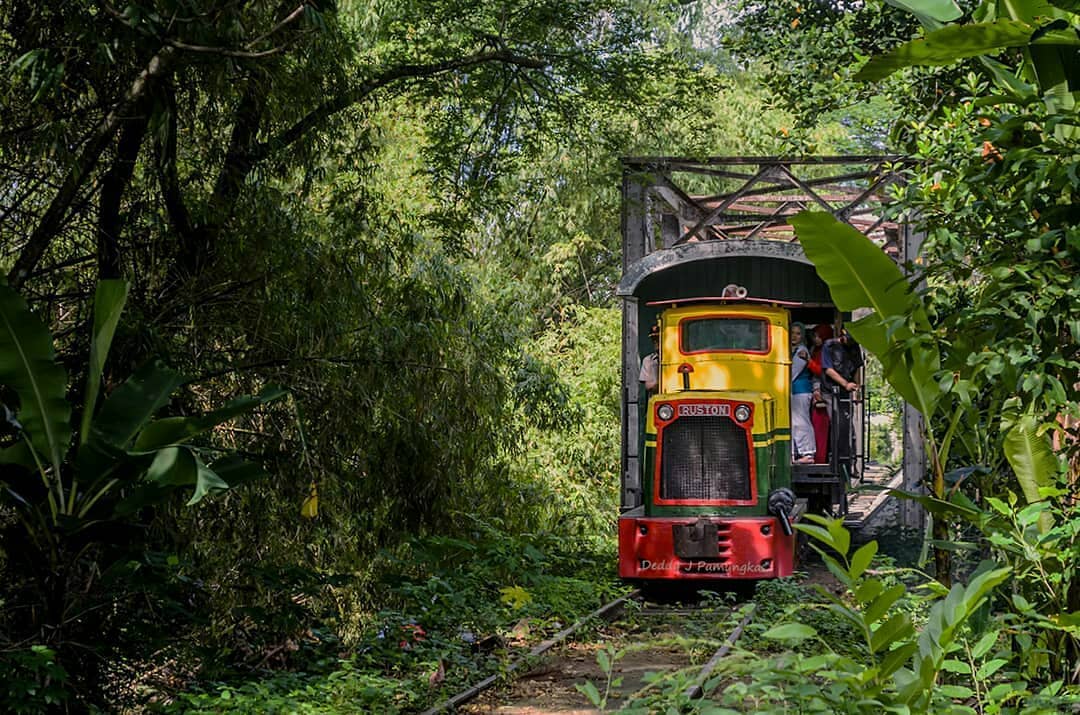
(130, 406)
(174, 430)
(207, 480)
(174, 466)
(860, 275)
(236, 470)
(948, 45)
(930, 12)
(1032, 461)
(28, 366)
(109, 299)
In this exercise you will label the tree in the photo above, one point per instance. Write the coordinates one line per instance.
(808, 53)
(77, 501)
(998, 329)
(227, 159)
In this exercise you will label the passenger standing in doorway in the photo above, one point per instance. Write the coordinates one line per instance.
(841, 360)
(802, 432)
(819, 409)
(650, 364)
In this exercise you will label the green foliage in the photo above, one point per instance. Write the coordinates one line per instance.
(606, 659)
(808, 53)
(953, 660)
(344, 690)
(1038, 541)
(578, 454)
(999, 286)
(1048, 36)
(31, 681)
(558, 236)
(71, 503)
(860, 275)
(444, 611)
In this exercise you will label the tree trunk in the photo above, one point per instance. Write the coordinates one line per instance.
(113, 185)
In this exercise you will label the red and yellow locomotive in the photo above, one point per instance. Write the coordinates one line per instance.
(709, 488)
(716, 473)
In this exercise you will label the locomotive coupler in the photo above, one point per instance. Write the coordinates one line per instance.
(781, 502)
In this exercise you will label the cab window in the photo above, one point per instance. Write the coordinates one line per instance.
(712, 334)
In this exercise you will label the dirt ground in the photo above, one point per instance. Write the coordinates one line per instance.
(649, 638)
(550, 687)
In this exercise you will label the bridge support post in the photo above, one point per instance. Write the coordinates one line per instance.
(912, 514)
(635, 235)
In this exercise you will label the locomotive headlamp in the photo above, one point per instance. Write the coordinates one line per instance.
(742, 413)
(665, 412)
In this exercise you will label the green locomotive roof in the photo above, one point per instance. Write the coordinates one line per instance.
(773, 270)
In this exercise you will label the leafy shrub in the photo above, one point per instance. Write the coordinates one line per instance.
(31, 681)
(958, 659)
(451, 610)
(80, 491)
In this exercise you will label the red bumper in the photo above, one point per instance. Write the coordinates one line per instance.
(749, 548)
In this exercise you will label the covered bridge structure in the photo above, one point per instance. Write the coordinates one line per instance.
(691, 226)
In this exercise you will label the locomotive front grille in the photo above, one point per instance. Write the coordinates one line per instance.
(704, 458)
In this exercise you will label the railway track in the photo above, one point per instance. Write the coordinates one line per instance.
(571, 666)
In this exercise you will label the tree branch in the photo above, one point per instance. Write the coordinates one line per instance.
(221, 51)
(244, 152)
(224, 51)
(234, 171)
(298, 12)
(409, 71)
(55, 214)
(321, 359)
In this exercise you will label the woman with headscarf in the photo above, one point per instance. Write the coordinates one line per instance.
(802, 432)
(819, 412)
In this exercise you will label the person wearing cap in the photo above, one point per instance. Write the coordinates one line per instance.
(841, 360)
(650, 364)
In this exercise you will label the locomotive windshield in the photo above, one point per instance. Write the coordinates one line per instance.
(725, 333)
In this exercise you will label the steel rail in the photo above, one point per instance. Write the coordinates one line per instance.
(541, 648)
(697, 690)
